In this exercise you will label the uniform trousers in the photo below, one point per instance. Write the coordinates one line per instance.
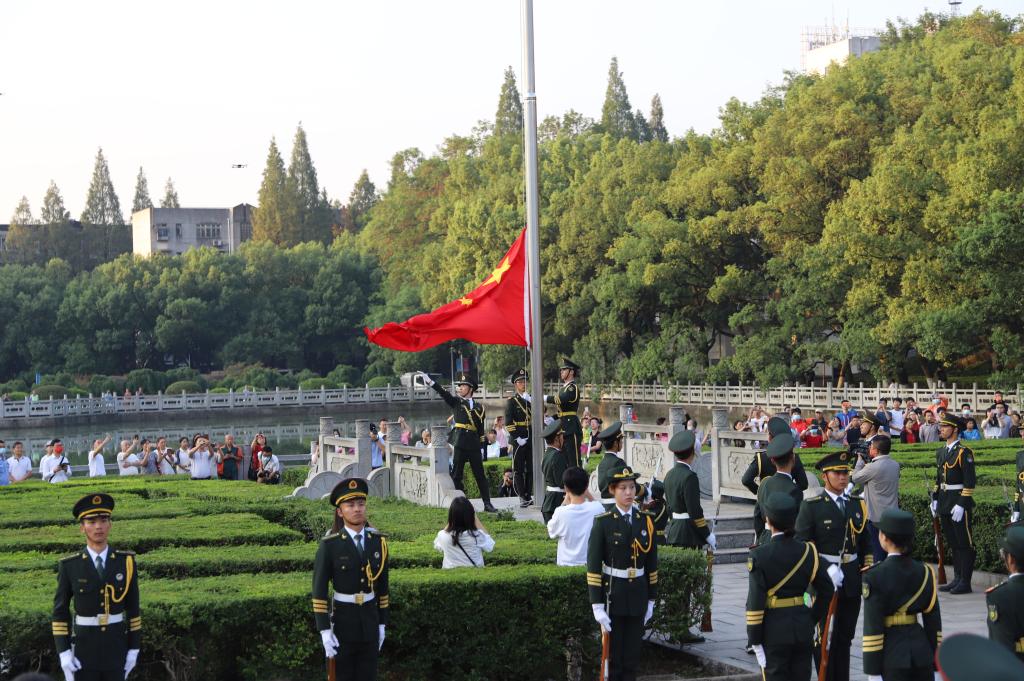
(473, 456)
(791, 662)
(909, 674)
(356, 661)
(522, 465)
(100, 675)
(958, 537)
(624, 649)
(842, 630)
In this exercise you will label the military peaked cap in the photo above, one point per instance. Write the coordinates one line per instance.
(777, 426)
(611, 432)
(567, 363)
(349, 489)
(519, 375)
(897, 522)
(834, 461)
(93, 504)
(781, 509)
(953, 420)
(552, 429)
(780, 446)
(967, 657)
(683, 441)
(466, 379)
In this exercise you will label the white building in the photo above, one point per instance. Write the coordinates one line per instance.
(823, 47)
(175, 230)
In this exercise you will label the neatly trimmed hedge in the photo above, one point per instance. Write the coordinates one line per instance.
(179, 387)
(52, 392)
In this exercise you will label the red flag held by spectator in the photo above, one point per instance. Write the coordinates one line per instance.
(495, 312)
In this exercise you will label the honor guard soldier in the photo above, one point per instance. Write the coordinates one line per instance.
(688, 527)
(966, 657)
(517, 424)
(780, 626)
(1006, 601)
(836, 525)
(467, 437)
(761, 467)
(659, 509)
(611, 445)
(897, 645)
(783, 459)
(568, 402)
(353, 561)
(104, 585)
(1018, 493)
(553, 466)
(953, 501)
(622, 574)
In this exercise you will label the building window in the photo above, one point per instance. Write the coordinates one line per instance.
(162, 234)
(177, 230)
(208, 230)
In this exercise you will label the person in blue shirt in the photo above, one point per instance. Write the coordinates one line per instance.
(971, 432)
(5, 471)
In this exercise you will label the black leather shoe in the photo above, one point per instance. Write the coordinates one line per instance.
(490, 509)
(949, 586)
(960, 588)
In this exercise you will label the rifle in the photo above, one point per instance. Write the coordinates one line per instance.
(832, 605)
(331, 669)
(606, 645)
(940, 547)
(705, 622)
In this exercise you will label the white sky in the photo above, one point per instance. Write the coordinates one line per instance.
(185, 89)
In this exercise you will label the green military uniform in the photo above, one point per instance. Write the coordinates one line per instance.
(1018, 493)
(954, 486)
(688, 527)
(610, 461)
(467, 437)
(1006, 600)
(553, 466)
(896, 591)
(659, 509)
(761, 468)
(359, 580)
(838, 529)
(622, 576)
(568, 402)
(107, 621)
(778, 483)
(966, 657)
(782, 571)
(517, 425)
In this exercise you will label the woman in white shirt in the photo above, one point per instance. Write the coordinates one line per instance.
(204, 460)
(127, 462)
(464, 539)
(184, 464)
(166, 458)
(97, 466)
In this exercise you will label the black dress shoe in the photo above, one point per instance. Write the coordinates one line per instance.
(960, 588)
(949, 586)
(489, 508)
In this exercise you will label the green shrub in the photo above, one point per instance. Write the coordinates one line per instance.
(184, 374)
(17, 395)
(62, 378)
(51, 392)
(179, 387)
(219, 390)
(343, 374)
(383, 382)
(317, 383)
(150, 381)
(99, 384)
(17, 385)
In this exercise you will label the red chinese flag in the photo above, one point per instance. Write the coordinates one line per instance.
(496, 312)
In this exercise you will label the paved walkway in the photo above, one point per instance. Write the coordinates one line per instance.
(965, 613)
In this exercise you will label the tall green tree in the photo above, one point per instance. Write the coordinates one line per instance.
(312, 221)
(23, 213)
(616, 113)
(657, 120)
(53, 207)
(141, 200)
(643, 129)
(101, 204)
(270, 220)
(363, 197)
(170, 199)
(508, 120)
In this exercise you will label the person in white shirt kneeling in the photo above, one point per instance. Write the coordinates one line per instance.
(572, 521)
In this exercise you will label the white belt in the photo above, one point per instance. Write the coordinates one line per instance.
(554, 489)
(847, 557)
(629, 573)
(95, 621)
(945, 486)
(358, 599)
(680, 516)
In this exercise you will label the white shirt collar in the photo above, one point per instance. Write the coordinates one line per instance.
(352, 533)
(526, 396)
(626, 512)
(103, 554)
(788, 475)
(949, 446)
(834, 496)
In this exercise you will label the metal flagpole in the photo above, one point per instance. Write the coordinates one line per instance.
(533, 250)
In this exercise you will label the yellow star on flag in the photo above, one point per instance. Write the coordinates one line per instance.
(466, 301)
(496, 275)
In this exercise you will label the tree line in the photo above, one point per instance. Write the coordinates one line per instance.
(866, 217)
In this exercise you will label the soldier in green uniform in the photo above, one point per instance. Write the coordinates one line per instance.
(761, 467)
(517, 424)
(836, 525)
(622, 574)
(659, 509)
(468, 437)
(953, 501)
(1018, 489)
(553, 466)
(780, 626)
(688, 526)
(353, 561)
(568, 402)
(1006, 600)
(966, 657)
(104, 585)
(897, 646)
(780, 453)
(611, 445)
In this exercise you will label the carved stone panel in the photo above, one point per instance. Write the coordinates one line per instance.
(414, 485)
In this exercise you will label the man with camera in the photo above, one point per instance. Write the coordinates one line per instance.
(54, 466)
(270, 467)
(879, 476)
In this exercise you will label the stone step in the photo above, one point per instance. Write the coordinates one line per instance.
(725, 523)
(726, 556)
(734, 539)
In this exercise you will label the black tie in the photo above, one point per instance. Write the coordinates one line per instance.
(99, 566)
(359, 544)
(842, 503)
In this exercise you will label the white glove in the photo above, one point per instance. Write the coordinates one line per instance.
(650, 612)
(958, 513)
(426, 378)
(836, 573)
(1015, 516)
(380, 636)
(938, 677)
(759, 654)
(602, 617)
(521, 441)
(849, 488)
(130, 660)
(330, 642)
(935, 509)
(712, 542)
(70, 664)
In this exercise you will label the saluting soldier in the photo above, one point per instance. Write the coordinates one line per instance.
(761, 467)
(468, 436)
(966, 657)
(568, 402)
(780, 626)
(553, 466)
(622, 574)
(897, 645)
(688, 527)
(611, 445)
(352, 560)
(104, 585)
(517, 424)
(836, 524)
(1006, 600)
(953, 501)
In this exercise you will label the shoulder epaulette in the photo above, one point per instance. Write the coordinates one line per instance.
(646, 512)
(602, 515)
(869, 567)
(330, 535)
(375, 532)
(993, 588)
(125, 552)
(818, 497)
(72, 556)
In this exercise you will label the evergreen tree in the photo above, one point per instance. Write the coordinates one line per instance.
(643, 130)
(101, 204)
(361, 200)
(616, 114)
(312, 220)
(509, 118)
(657, 120)
(141, 200)
(54, 212)
(170, 196)
(268, 221)
(23, 213)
